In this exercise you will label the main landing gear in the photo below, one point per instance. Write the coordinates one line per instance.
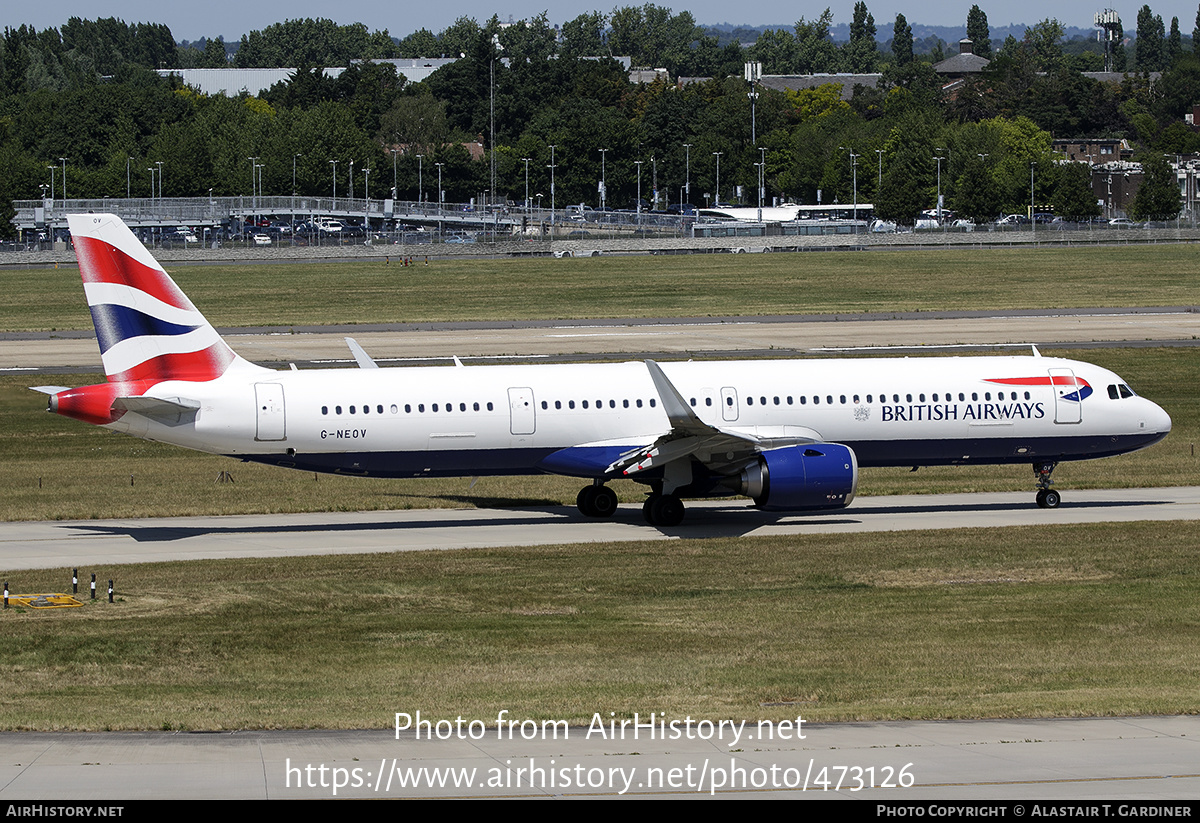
(597, 501)
(1047, 498)
(663, 510)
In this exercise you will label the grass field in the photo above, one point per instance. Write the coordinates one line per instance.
(641, 286)
(1024, 622)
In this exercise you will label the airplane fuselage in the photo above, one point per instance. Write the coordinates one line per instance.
(485, 420)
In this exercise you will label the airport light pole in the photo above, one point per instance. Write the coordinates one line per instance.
(334, 164)
(638, 163)
(717, 199)
(63, 160)
(1032, 221)
(603, 184)
(158, 163)
(854, 170)
(420, 180)
(294, 156)
(939, 160)
(552, 168)
(52, 186)
(128, 160)
(526, 159)
(687, 172)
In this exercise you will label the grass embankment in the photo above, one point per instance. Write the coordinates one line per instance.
(1028, 622)
(57, 468)
(640, 286)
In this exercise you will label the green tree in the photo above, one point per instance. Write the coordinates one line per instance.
(1149, 47)
(976, 195)
(1174, 44)
(1044, 42)
(1158, 197)
(978, 32)
(902, 41)
(1073, 197)
(860, 54)
(584, 36)
(815, 51)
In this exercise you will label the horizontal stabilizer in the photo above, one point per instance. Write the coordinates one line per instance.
(171, 411)
(49, 389)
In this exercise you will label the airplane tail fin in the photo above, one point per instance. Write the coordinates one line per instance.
(147, 328)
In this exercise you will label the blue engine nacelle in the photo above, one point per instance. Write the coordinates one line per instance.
(797, 478)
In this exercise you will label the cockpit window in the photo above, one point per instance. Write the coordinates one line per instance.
(1112, 392)
(1120, 391)
(1125, 390)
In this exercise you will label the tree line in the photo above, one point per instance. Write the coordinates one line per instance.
(86, 93)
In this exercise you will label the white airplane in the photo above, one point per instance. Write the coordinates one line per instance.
(790, 434)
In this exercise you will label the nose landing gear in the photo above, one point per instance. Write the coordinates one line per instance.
(1047, 498)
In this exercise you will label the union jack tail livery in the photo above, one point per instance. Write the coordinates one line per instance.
(147, 329)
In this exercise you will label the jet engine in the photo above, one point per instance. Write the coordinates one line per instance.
(798, 478)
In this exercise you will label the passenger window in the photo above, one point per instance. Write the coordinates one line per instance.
(324, 410)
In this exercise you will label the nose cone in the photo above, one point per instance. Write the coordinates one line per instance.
(1159, 419)
(1154, 422)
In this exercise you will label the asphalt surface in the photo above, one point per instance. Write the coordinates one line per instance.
(1140, 764)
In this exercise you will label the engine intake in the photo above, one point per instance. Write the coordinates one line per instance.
(801, 478)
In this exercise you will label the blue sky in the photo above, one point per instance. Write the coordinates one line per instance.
(190, 21)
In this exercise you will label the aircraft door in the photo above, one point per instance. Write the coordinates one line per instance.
(269, 410)
(520, 406)
(1067, 396)
(729, 403)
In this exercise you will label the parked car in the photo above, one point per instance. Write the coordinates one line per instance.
(1122, 223)
(262, 240)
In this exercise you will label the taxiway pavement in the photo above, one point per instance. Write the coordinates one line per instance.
(102, 544)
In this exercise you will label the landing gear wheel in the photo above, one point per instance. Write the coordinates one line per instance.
(597, 501)
(604, 502)
(663, 510)
(1048, 499)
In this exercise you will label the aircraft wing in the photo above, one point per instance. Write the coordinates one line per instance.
(721, 450)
